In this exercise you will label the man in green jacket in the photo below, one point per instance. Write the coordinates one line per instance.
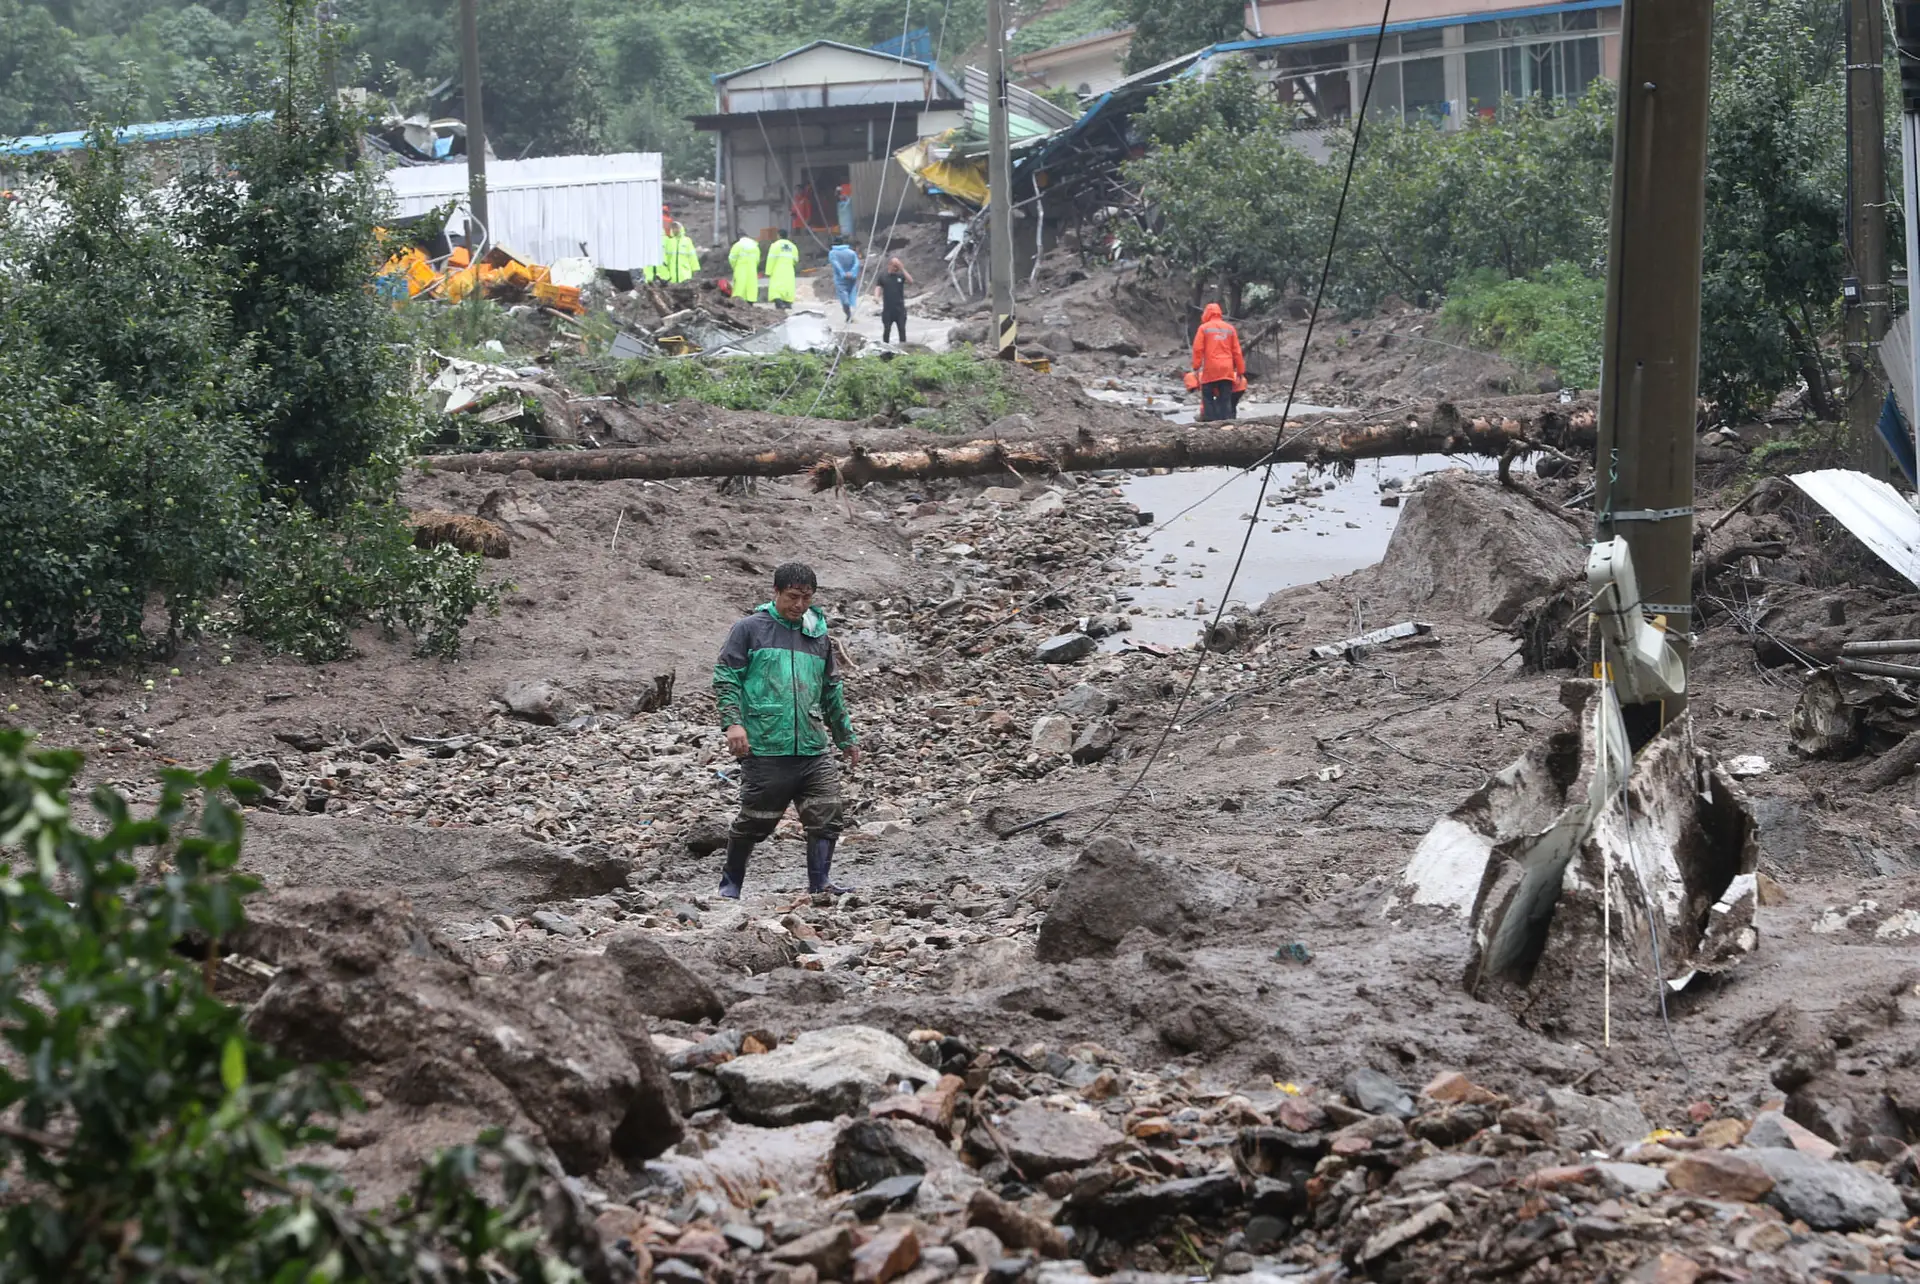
(779, 697)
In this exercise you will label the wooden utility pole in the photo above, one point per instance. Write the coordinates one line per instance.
(1000, 186)
(1650, 363)
(476, 127)
(1869, 305)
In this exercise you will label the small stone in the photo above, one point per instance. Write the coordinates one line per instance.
(1238, 745)
(1432, 1217)
(1065, 648)
(1535, 1125)
(1052, 735)
(1375, 1093)
(264, 772)
(1720, 1134)
(742, 1235)
(1002, 723)
(1094, 743)
(978, 1246)
(558, 924)
(938, 1262)
(1615, 1120)
(1565, 1175)
(1772, 1130)
(1639, 1179)
(532, 701)
(888, 1254)
(1046, 505)
(1083, 701)
(1443, 1170)
(1454, 1088)
(677, 1271)
(885, 1196)
(1827, 1194)
(1719, 1174)
(828, 1250)
(1001, 494)
(1042, 1140)
(1668, 1268)
(1762, 1237)
(1016, 1228)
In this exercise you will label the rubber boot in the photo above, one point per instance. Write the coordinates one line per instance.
(733, 879)
(820, 866)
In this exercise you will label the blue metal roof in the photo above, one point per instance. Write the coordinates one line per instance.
(1417, 24)
(164, 131)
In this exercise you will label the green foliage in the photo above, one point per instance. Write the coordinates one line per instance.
(150, 1129)
(170, 363)
(1075, 18)
(1776, 178)
(316, 581)
(1236, 197)
(542, 97)
(791, 383)
(1165, 29)
(1551, 318)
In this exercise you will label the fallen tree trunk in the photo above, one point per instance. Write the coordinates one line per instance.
(1208, 446)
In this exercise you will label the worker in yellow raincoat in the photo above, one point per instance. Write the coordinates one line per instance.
(783, 261)
(744, 258)
(679, 259)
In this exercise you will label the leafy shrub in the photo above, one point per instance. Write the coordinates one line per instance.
(148, 1129)
(317, 581)
(1550, 319)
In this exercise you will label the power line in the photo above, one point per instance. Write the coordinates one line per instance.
(1266, 476)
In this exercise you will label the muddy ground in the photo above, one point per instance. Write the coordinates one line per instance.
(1285, 799)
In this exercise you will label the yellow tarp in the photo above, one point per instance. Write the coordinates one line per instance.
(964, 179)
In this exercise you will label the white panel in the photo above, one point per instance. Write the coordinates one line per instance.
(549, 206)
(1878, 515)
(892, 91)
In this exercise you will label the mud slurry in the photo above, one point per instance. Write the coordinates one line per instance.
(1278, 814)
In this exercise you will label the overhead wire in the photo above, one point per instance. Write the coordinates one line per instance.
(1266, 477)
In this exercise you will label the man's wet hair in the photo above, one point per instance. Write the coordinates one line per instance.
(794, 575)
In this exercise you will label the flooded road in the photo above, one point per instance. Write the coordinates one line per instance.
(1311, 528)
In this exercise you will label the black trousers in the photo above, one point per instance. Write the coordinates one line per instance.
(809, 783)
(888, 320)
(1217, 401)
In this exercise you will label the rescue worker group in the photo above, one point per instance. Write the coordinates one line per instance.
(1218, 373)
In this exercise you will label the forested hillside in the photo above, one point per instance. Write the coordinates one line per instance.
(562, 75)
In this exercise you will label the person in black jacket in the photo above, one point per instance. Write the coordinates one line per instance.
(891, 290)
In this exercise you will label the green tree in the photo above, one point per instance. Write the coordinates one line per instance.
(542, 89)
(1165, 29)
(41, 84)
(1235, 198)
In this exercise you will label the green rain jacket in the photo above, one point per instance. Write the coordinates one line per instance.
(783, 261)
(779, 681)
(744, 259)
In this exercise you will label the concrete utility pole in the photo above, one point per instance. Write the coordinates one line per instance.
(476, 126)
(1000, 185)
(1650, 364)
(1906, 40)
(1869, 301)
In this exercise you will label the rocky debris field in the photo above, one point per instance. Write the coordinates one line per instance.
(1073, 1021)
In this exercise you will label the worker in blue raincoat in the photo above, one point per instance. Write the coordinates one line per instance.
(846, 274)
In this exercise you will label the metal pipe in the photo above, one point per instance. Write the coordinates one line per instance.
(1899, 646)
(1879, 669)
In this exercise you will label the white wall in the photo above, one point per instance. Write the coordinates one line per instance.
(552, 207)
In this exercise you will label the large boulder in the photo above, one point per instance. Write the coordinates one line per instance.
(821, 1074)
(657, 982)
(1113, 888)
(1827, 1194)
(1469, 546)
(562, 1053)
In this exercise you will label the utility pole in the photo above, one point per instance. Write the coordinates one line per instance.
(1868, 297)
(1000, 186)
(1906, 40)
(476, 127)
(1650, 362)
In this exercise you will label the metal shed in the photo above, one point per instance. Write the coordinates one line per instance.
(552, 207)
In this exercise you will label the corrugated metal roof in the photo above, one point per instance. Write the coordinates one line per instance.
(161, 131)
(1878, 515)
(554, 207)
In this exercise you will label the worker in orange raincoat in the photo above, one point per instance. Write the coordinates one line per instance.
(1218, 364)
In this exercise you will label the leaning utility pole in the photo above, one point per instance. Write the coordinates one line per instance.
(1869, 305)
(1650, 362)
(1906, 41)
(999, 185)
(476, 127)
